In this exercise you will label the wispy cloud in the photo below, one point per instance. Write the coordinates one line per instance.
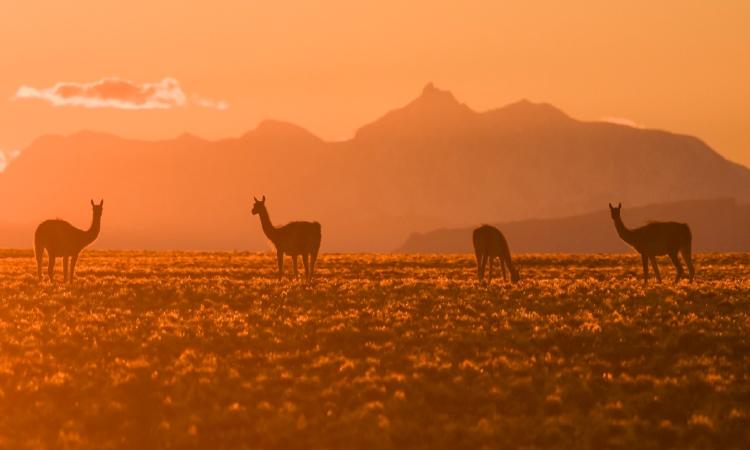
(209, 103)
(118, 93)
(6, 156)
(622, 121)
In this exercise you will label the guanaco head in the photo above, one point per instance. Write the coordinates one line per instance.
(97, 208)
(259, 205)
(615, 212)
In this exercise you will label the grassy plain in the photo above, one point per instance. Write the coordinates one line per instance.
(210, 350)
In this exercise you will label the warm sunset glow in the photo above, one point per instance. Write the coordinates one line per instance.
(331, 66)
(386, 225)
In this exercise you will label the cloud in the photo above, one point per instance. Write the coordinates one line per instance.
(6, 156)
(622, 121)
(117, 93)
(208, 103)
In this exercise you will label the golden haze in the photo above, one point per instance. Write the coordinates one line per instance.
(331, 66)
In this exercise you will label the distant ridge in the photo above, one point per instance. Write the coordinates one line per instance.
(278, 130)
(432, 163)
(719, 225)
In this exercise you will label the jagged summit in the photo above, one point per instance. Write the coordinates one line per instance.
(434, 97)
(434, 111)
(437, 113)
(433, 100)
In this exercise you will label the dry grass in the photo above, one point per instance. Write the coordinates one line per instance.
(181, 350)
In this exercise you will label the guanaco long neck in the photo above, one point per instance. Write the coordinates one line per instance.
(623, 231)
(268, 229)
(93, 232)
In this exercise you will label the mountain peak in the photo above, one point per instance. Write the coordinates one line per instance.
(525, 106)
(526, 112)
(434, 98)
(276, 129)
(429, 90)
(434, 111)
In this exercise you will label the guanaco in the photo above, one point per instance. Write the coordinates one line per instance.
(62, 239)
(489, 243)
(656, 239)
(294, 239)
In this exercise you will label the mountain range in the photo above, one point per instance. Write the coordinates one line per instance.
(433, 163)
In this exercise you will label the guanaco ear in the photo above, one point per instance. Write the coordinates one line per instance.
(92, 202)
(619, 205)
(611, 207)
(101, 203)
(256, 199)
(264, 199)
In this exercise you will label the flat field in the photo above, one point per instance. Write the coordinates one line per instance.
(210, 351)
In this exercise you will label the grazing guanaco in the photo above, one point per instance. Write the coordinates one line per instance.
(62, 239)
(656, 239)
(294, 239)
(489, 243)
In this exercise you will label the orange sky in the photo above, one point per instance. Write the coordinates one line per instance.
(332, 66)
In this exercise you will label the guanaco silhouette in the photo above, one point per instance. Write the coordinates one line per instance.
(489, 243)
(62, 239)
(656, 239)
(293, 239)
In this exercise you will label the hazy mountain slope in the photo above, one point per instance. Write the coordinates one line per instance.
(717, 225)
(530, 160)
(432, 163)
